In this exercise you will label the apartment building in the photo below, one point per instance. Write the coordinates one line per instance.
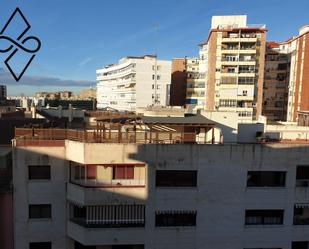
(235, 66)
(134, 82)
(286, 91)
(179, 82)
(3, 93)
(157, 183)
(276, 83)
(188, 83)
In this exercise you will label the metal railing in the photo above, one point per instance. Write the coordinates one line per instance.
(56, 137)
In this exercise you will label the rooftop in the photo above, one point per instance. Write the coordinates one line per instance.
(126, 129)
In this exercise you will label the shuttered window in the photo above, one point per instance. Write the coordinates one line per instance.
(110, 215)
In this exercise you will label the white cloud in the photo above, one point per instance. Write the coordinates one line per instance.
(7, 79)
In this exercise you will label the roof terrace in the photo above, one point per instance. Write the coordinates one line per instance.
(127, 129)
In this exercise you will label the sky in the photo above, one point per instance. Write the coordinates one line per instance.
(80, 36)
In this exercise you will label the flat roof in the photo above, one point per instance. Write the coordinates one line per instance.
(194, 119)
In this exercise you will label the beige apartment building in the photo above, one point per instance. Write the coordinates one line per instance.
(158, 183)
(286, 85)
(188, 83)
(236, 56)
(276, 83)
(298, 92)
(229, 73)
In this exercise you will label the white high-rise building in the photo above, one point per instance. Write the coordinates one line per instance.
(134, 82)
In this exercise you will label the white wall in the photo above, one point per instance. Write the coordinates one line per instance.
(220, 198)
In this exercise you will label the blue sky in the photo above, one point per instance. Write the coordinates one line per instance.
(80, 36)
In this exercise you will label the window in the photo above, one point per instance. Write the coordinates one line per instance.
(300, 244)
(264, 217)
(246, 69)
(302, 176)
(81, 246)
(153, 76)
(174, 219)
(39, 172)
(227, 103)
(301, 214)
(41, 211)
(118, 215)
(40, 245)
(283, 66)
(266, 179)
(246, 80)
(158, 77)
(123, 172)
(176, 178)
(127, 247)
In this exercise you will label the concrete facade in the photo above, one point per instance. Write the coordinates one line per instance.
(293, 95)
(220, 198)
(236, 52)
(134, 82)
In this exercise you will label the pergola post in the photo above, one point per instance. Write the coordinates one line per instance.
(119, 133)
(110, 131)
(104, 132)
(134, 127)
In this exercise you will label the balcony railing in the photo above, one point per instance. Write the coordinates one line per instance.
(248, 48)
(110, 224)
(100, 183)
(56, 137)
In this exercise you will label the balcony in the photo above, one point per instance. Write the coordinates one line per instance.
(92, 184)
(104, 236)
(239, 39)
(102, 194)
(195, 95)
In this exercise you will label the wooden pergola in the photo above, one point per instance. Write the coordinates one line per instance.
(154, 129)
